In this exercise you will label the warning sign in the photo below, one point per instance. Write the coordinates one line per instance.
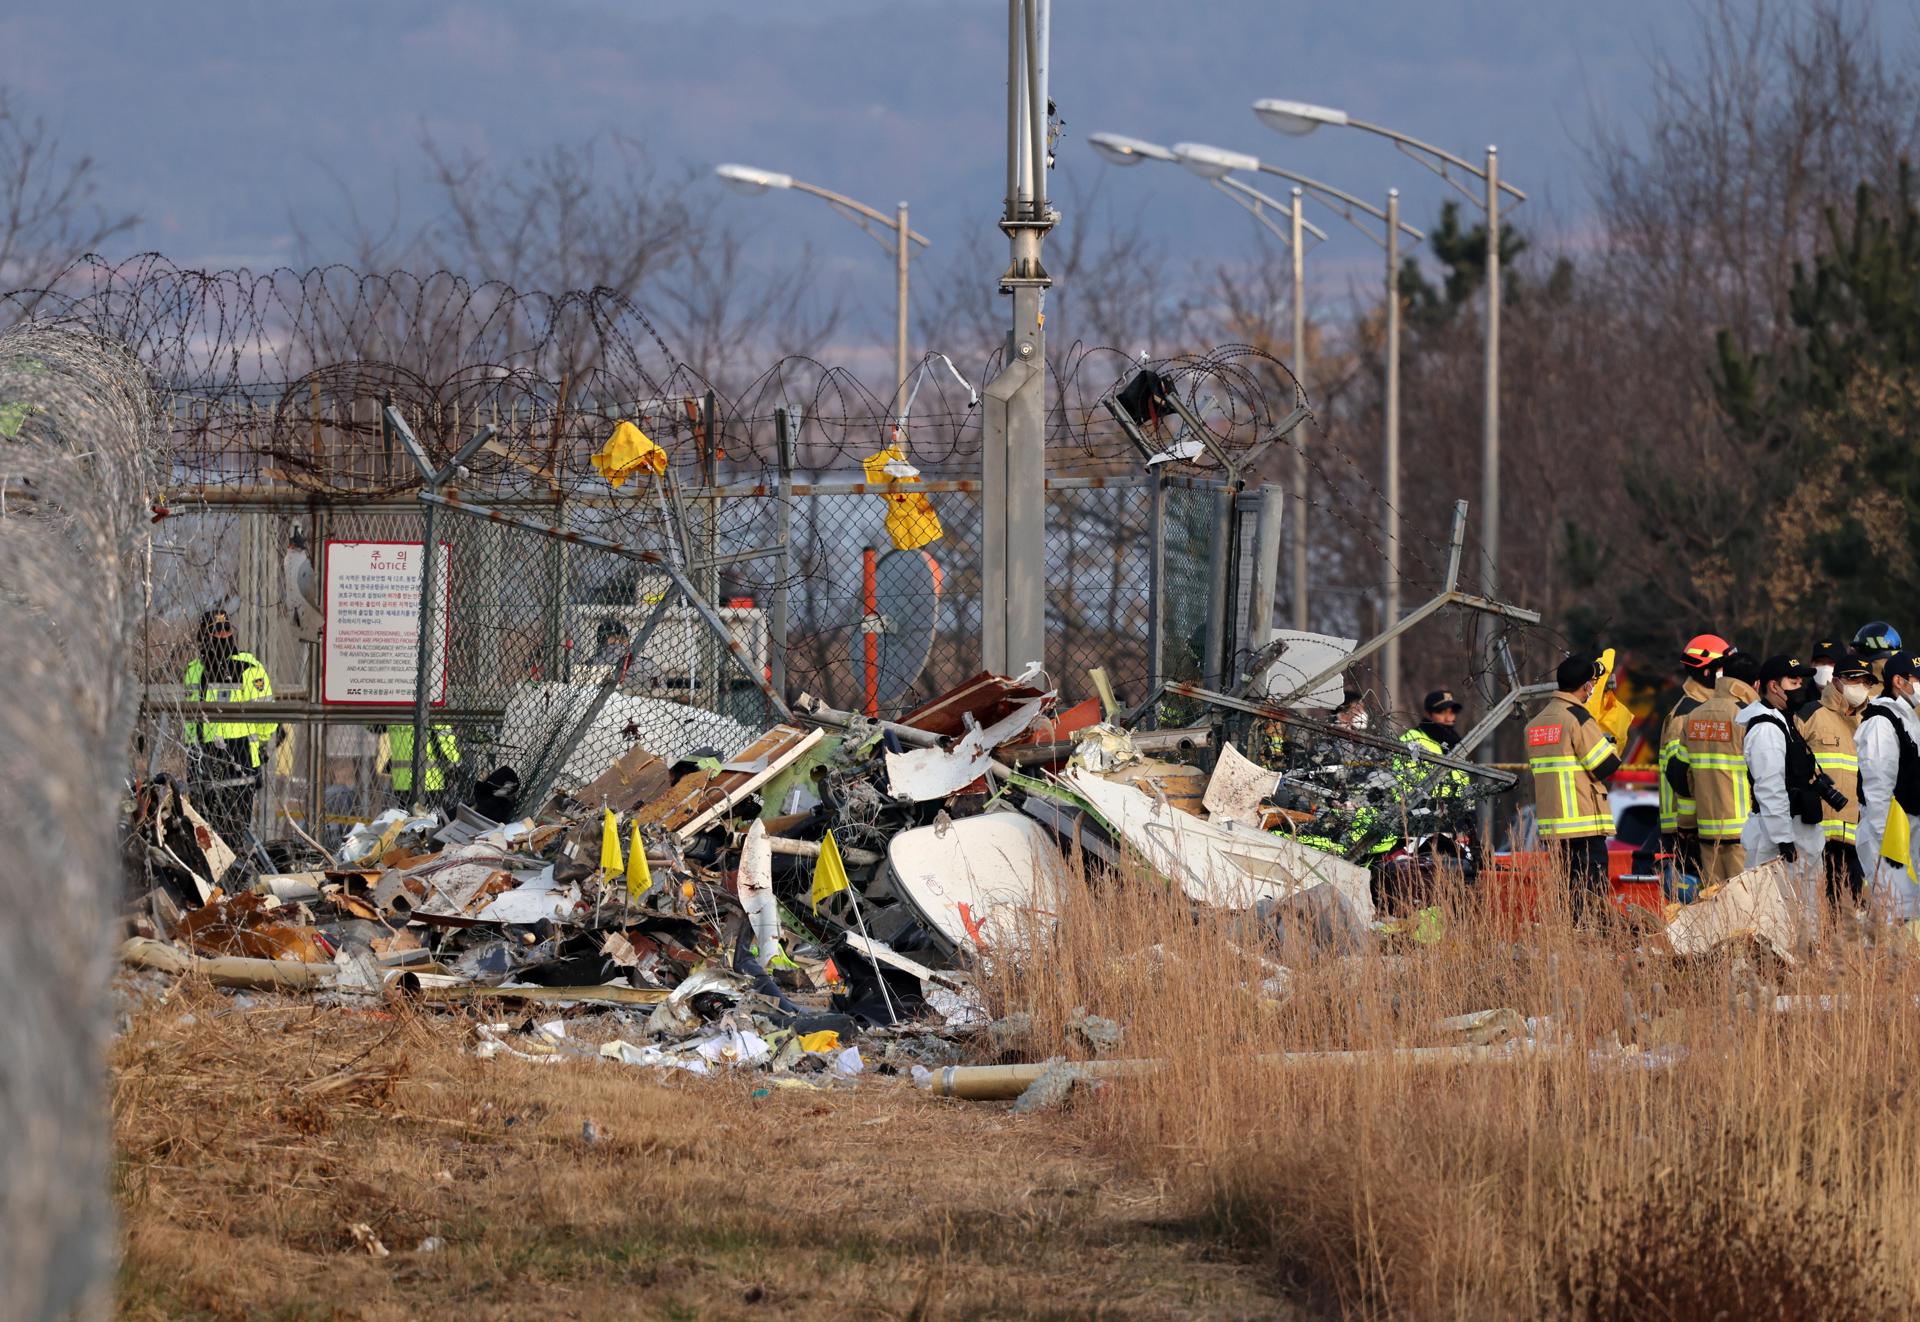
(372, 646)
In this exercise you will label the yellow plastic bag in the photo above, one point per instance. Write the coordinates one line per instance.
(1897, 842)
(1613, 715)
(911, 519)
(628, 451)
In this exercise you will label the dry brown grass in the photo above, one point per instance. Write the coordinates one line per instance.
(251, 1141)
(1771, 1169)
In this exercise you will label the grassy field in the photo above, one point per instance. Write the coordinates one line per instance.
(1679, 1143)
(252, 1142)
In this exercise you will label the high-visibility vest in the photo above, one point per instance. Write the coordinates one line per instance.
(251, 686)
(1828, 729)
(1448, 784)
(1676, 809)
(442, 751)
(1565, 749)
(1716, 751)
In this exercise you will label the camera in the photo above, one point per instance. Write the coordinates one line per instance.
(1823, 786)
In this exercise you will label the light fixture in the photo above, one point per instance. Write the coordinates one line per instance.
(749, 181)
(1212, 162)
(1118, 149)
(1297, 117)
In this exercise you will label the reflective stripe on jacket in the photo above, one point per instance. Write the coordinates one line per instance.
(1570, 757)
(1829, 730)
(1715, 747)
(1676, 809)
(251, 686)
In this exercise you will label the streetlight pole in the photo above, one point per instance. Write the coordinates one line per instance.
(1217, 165)
(1297, 118)
(902, 236)
(1490, 415)
(1390, 517)
(1298, 246)
(891, 232)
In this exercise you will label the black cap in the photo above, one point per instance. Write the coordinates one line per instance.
(1576, 670)
(1900, 664)
(1441, 700)
(1828, 651)
(1852, 666)
(1784, 667)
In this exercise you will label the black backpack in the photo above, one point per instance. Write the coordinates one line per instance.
(1906, 784)
(1802, 799)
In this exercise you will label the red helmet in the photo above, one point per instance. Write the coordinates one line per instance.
(1704, 649)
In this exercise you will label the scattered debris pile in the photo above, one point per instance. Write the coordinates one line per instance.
(813, 903)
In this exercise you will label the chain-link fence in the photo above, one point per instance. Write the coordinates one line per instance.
(542, 599)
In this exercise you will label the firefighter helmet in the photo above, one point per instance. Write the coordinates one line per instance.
(1703, 650)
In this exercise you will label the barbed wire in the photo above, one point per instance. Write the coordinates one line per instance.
(279, 378)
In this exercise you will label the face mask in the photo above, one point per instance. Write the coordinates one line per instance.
(1856, 695)
(1359, 722)
(1823, 675)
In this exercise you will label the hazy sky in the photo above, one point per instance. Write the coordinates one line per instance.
(221, 120)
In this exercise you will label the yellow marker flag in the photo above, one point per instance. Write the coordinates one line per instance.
(626, 452)
(911, 519)
(639, 875)
(610, 861)
(829, 873)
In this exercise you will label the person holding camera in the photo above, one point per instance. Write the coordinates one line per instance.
(1787, 785)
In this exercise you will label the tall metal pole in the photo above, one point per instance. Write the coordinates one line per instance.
(1297, 245)
(1390, 517)
(1490, 470)
(1490, 434)
(900, 324)
(1013, 425)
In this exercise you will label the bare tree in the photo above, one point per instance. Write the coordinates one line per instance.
(1778, 111)
(48, 214)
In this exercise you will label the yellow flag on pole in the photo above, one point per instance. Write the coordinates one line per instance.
(639, 875)
(829, 873)
(610, 861)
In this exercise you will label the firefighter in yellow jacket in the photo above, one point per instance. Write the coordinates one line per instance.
(1571, 758)
(1828, 728)
(1679, 832)
(1715, 746)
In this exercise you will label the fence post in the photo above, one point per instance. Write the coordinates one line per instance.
(710, 546)
(423, 655)
(783, 565)
(1219, 603)
(1267, 502)
(1157, 585)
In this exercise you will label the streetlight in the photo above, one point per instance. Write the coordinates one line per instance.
(1121, 150)
(892, 234)
(1298, 118)
(1217, 162)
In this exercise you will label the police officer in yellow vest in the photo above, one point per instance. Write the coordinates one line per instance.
(1716, 751)
(224, 756)
(1571, 759)
(442, 751)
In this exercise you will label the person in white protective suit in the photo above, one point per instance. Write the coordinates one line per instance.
(1888, 742)
(1781, 769)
